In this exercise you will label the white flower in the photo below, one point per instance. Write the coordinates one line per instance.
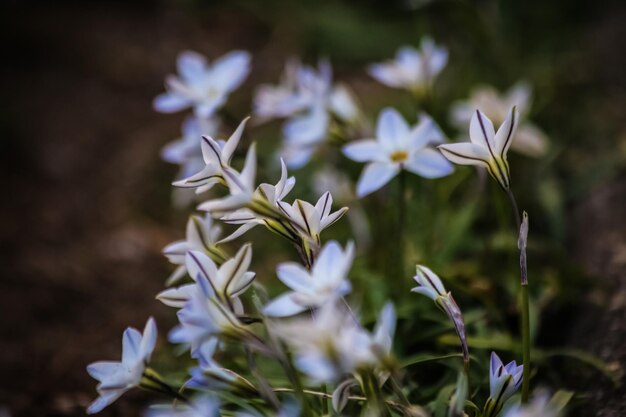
(397, 146)
(431, 286)
(310, 220)
(201, 85)
(204, 317)
(529, 139)
(308, 98)
(186, 151)
(115, 378)
(202, 406)
(487, 148)
(331, 343)
(227, 282)
(201, 235)
(326, 281)
(504, 380)
(217, 156)
(412, 69)
(272, 195)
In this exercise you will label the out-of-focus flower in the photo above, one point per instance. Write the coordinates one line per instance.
(186, 150)
(397, 146)
(202, 406)
(431, 286)
(227, 282)
(540, 406)
(115, 378)
(201, 85)
(325, 282)
(504, 380)
(201, 235)
(310, 220)
(309, 100)
(332, 344)
(487, 148)
(217, 156)
(412, 69)
(529, 140)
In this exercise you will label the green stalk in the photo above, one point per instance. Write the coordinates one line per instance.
(401, 225)
(525, 322)
(525, 343)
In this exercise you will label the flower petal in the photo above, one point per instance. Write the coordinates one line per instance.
(429, 163)
(294, 276)
(506, 133)
(482, 132)
(391, 129)
(465, 153)
(229, 71)
(374, 176)
(364, 150)
(283, 306)
(148, 341)
(170, 103)
(191, 66)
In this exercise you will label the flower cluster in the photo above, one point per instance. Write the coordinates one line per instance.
(258, 352)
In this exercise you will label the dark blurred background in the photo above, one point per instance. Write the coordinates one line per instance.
(86, 206)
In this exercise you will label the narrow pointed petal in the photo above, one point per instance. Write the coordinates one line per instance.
(294, 276)
(231, 70)
(233, 142)
(191, 66)
(374, 176)
(130, 345)
(465, 153)
(148, 341)
(199, 264)
(506, 133)
(482, 132)
(429, 163)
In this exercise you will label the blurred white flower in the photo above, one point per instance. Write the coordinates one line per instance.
(202, 406)
(308, 98)
(540, 406)
(227, 282)
(186, 150)
(325, 282)
(397, 146)
(529, 139)
(202, 85)
(201, 235)
(332, 344)
(504, 380)
(487, 148)
(115, 378)
(412, 69)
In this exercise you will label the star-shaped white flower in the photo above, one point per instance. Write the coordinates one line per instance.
(115, 378)
(326, 281)
(529, 139)
(202, 406)
(201, 235)
(487, 148)
(217, 155)
(412, 69)
(201, 85)
(397, 146)
(227, 282)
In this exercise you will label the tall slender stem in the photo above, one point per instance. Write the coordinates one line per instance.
(525, 304)
(401, 225)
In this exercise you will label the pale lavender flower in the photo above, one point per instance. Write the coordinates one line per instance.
(540, 406)
(325, 282)
(412, 69)
(504, 380)
(487, 148)
(202, 85)
(397, 146)
(529, 140)
(115, 378)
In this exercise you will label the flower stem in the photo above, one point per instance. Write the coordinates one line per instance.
(525, 309)
(161, 386)
(401, 225)
(526, 344)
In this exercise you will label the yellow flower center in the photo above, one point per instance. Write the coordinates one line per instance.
(399, 156)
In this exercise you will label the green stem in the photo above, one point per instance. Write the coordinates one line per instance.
(401, 225)
(160, 385)
(526, 344)
(324, 400)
